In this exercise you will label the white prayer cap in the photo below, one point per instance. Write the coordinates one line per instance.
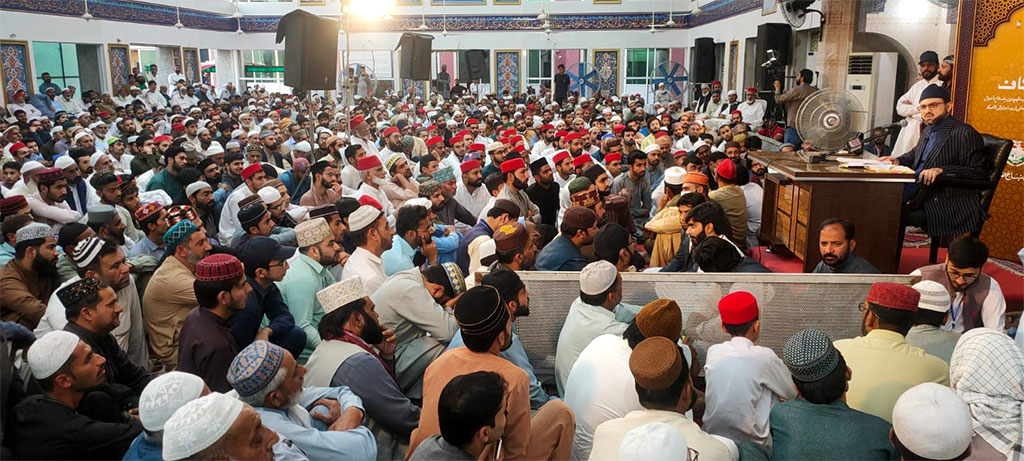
(132, 139)
(342, 136)
(80, 135)
(616, 118)
(269, 195)
(199, 424)
(934, 296)
(597, 277)
(494, 146)
(214, 149)
(238, 132)
(232, 144)
(50, 352)
(93, 125)
(252, 133)
(63, 162)
(698, 145)
(202, 130)
(312, 232)
(341, 293)
(362, 217)
(418, 201)
(303, 146)
(196, 187)
(932, 421)
(651, 148)
(488, 250)
(55, 129)
(266, 122)
(653, 441)
(674, 176)
(451, 123)
(95, 158)
(730, 93)
(33, 165)
(164, 395)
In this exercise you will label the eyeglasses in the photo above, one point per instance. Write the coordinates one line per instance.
(934, 105)
(278, 263)
(953, 275)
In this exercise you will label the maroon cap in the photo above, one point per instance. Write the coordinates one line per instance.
(894, 296)
(12, 204)
(218, 268)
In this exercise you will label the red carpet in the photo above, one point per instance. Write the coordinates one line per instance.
(1011, 283)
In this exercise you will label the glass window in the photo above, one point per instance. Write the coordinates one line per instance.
(272, 59)
(640, 63)
(538, 67)
(60, 60)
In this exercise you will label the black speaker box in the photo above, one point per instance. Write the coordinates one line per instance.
(311, 50)
(703, 60)
(416, 49)
(772, 36)
(477, 61)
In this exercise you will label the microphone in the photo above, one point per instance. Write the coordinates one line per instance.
(891, 126)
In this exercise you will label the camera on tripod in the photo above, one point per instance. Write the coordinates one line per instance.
(776, 70)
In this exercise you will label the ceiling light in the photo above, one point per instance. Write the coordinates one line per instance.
(653, 30)
(671, 22)
(237, 15)
(542, 16)
(87, 16)
(179, 25)
(445, 32)
(423, 26)
(239, 31)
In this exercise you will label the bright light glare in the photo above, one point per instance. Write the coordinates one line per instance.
(369, 8)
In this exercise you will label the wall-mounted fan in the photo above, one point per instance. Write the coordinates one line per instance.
(674, 76)
(586, 79)
(795, 12)
(828, 119)
(361, 78)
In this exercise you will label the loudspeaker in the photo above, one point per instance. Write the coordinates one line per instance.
(771, 36)
(415, 63)
(703, 60)
(477, 62)
(311, 51)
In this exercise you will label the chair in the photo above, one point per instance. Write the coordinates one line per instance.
(996, 152)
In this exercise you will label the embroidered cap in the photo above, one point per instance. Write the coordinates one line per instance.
(218, 268)
(50, 352)
(810, 356)
(254, 367)
(341, 293)
(312, 232)
(199, 424)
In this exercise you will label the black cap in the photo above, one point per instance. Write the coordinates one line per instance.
(260, 251)
(929, 56)
(250, 214)
(611, 238)
(934, 91)
(536, 165)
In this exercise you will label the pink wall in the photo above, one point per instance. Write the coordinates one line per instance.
(447, 58)
(571, 59)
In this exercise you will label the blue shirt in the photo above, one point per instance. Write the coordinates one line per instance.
(260, 303)
(560, 255)
(6, 253)
(517, 355)
(298, 426)
(399, 257)
(447, 245)
(146, 247)
(144, 450)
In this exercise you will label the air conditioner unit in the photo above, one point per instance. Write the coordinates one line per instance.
(871, 78)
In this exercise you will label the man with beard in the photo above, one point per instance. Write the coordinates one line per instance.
(48, 205)
(266, 263)
(835, 240)
(271, 154)
(882, 364)
(792, 100)
(373, 176)
(392, 143)
(358, 352)
(564, 171)
(372, 237)
(325, 187)
(946, 72)
(907, 105)
(579, 224)
(167, 180)
(170, 294)
(547, 132)
(254, 178)
(49, 425)
(629, 139)
(103, 260)
(350, 177)
(309, 274)
(28, 279)
(120, 158)
(486, 326)
(977, 298)
(729, 105)
(148, 156)
(401, 186)
(459, 145)
(496, 151)
(231, 176)
(947, 147)
(284, 405)
(153, 223)
(80, 194)
(206, 346)
(515, 176)
(450, 210)
(294, 180)
(705, 220)
(639, 187)
(514, 248)
(543, 192)
(107, 224)
(470, 191)
(361, 136)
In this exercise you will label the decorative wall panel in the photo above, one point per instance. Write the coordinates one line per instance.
(507, 70)
(606, 62)
(190, 57)
(120, 65)
(16, 69)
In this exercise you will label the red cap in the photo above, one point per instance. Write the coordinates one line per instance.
(503, 141)
(509, 132)
(512, 165)
(726, 169)
(518, 138)
(421, 111)
(13, 203)
(894, 296)
(582, 160)
(661, 134)
(571, 136)
(463, 134)
(103, 113)
(434, 140)
(616, 157)
(177, 127)
(469, 165)
(251, 170)
(716, 82)
(16, 146)
(161, 138)
(390, 130)
(472, 121)
(739, 308)
(369, 162)
(477, 147)
(751, 90)
(678, 153)
(355, 121)
(367, 200)
(431, 128)
(736, 112)
(618, 129)
(519, 148)
(559, 156)
(561, 134)
(547, 127)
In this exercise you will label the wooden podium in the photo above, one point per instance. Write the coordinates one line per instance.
(799, 195)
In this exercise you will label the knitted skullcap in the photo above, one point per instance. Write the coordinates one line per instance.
(934, 296)
(312, 231)
(78, 290)
(597, 277)
(196, 187)
(578, 184)
(656, 363)
(809, 355)
(199, 424)
(429, 187)
(894, 296)
(85, 251)
(178, 233)
(164, 395)
(50, 352)
(341, 293)
(218, 268)
(33, 231)
(661, 317)
(254, 367)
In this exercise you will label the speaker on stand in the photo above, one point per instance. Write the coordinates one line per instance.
(311, 50)
(416, 49)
